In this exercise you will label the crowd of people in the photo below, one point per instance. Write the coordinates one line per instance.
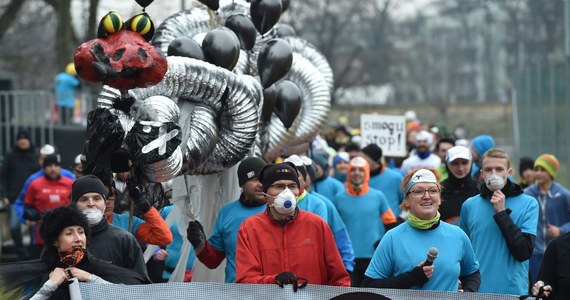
(449, 217)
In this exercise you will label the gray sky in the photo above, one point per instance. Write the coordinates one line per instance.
(161, 9)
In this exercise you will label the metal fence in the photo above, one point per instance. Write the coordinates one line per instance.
(36, 111)
(541, 106)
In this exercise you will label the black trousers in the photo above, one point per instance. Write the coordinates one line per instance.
(357, 276)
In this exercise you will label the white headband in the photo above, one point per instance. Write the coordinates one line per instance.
(421, 175)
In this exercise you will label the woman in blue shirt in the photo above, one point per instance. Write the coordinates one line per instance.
(399, 261)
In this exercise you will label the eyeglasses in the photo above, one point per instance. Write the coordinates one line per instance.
(281, 186)
(420, 193)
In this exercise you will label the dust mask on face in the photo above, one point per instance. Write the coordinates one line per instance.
(94, 215)
(494, 182)
(285, 202)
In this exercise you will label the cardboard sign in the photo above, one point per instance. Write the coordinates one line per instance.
(388, 132)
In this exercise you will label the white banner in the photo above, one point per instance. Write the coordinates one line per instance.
(386, 131)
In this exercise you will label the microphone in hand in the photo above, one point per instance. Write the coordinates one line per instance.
(431, 256)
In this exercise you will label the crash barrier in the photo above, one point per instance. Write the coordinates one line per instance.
(220, 291)
(37, 112)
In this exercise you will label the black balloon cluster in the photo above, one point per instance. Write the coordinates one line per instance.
(221, 47)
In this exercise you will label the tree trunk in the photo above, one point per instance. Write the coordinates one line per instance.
(64, 35)
(9, 15)
(92, 26)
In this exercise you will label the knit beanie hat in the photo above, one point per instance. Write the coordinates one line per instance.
(23, 134)
(51, 159)
(283, 171)
(249, 168)
(351, 147)
(549, 163)
(55, 220)
(341, 156)
(373, 151)
(524, 164)
(87, 184)
(322, 159)
(482, 143)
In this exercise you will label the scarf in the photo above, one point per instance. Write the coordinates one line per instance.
(71, 257)
(423, 155)
(423, 224)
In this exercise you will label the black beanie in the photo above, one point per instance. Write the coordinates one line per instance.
(282, 171)
(87, 184)
(525, 164)
(351, 147)
(311, 171)
(23, 134)
(373, 151)
(249, 168)
(55, 220)
(51, 159)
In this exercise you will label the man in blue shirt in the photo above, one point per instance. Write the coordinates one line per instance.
(501, 223)
(223, 240)
(323, 183)
(384, 179)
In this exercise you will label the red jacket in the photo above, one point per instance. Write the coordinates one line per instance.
(44, 194)
(305, 246)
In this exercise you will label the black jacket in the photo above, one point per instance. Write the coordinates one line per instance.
(454, 191)
(17, 167)
(113, 244)
(554, 268)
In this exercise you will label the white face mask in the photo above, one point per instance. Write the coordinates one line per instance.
(285, 202)
(494, 182)
(94, 216)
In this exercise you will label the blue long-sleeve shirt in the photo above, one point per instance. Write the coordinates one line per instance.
(343, 243)
(554, 210)
(19, 204)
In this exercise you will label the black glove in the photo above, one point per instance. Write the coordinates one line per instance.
(136, 192)
(289, 278)
(31, 213)
(195, 234)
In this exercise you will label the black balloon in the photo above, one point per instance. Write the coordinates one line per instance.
(212, 4)
(269, 98)
(221, 48)
(243, 27)
(288, 102)
(144, 3)
(265, 14)
(185, 46)
(231, 33)
(283, 30)
(274, 61)
(285, 5)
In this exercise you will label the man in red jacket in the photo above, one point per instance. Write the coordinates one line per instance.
(49, 191)
(284, 244)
